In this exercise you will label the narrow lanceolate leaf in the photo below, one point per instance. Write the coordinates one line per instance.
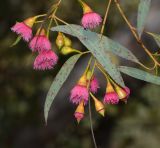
(92, 42)
(143, 11)
(156, 37)
(16, 41)
(140, 74)
(58, 82)
(108, 44)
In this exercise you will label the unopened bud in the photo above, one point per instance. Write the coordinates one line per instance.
(83, 80)
(79, 113)
(121, 92)
(86, 8)
(68, 50)
(109, 88)
(99, 106)
(30, 21)
(60, 40)
(67, 41)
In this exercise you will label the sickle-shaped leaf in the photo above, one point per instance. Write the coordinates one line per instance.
(143, 11)
(92, 41)
(58, 82)
(108, 44)
(140, 74)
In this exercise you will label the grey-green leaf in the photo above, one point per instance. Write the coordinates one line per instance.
(92, 41)
(16, 41)
(143, 11)
(156, 37)
(108, 44)
(140, 74)
(58, 82)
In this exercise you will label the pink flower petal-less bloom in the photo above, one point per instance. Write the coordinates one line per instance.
(91, 20)
(111, 98)
(40, 43)
(23, 30)
(78, 93)
(45, 60)
(94, 85)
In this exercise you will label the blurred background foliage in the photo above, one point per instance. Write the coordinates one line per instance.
(23, 90)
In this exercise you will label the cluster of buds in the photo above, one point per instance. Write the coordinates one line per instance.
(64, 45)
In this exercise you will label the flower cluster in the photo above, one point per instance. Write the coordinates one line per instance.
(87, 86)
(40, 43)
(46, 59)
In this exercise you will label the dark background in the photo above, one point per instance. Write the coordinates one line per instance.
(23, 90)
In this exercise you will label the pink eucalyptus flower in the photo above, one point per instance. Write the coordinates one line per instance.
(45, 60)
(40, 42)
(111, 98)
(78, 93)
(94, 85)
(91, 20)
(24, 29)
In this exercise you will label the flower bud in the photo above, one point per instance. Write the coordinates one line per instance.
(109, 88)
(67, 41)
(86, 8)
(99, 106)
(121, 92)
(79, 113)
(67, 50)
(60, 40)
(83, 80)
(30, 21)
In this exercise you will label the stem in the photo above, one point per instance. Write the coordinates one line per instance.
(41, 15)
(60, 20)
(51, 20)
(91, 124)
(105, 17)
(132, 29)
(90, 112)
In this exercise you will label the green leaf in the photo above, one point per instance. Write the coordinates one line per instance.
(58, 82)
(16, 41)
(140, 74)
(99, 48)
(143, 11)
(156, 37)
(108, 44)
